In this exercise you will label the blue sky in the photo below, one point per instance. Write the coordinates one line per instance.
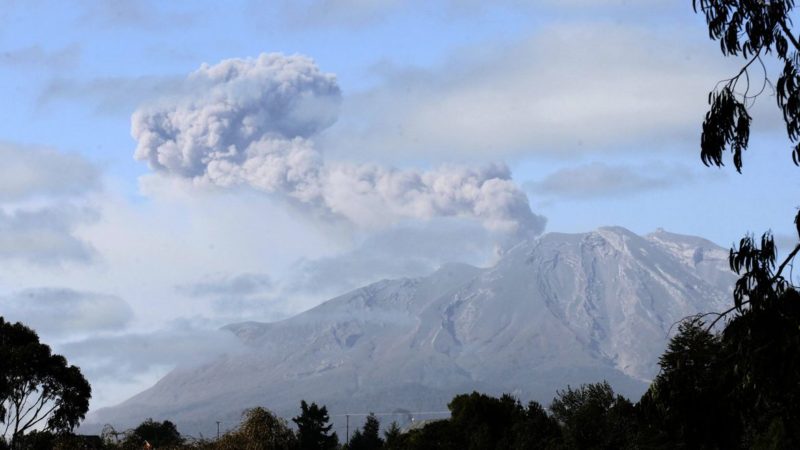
(594, 108)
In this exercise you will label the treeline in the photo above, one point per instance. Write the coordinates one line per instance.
(738, 388)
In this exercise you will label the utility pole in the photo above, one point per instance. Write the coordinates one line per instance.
(218, 422)
(347, 428)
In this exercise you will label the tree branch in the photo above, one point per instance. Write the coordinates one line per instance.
(789, 34)
(41, 402)
(725, 313)
(785, 262)
(30, 424)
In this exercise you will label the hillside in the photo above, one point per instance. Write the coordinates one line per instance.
(562, 309)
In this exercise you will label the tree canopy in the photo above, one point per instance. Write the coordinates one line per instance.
(314, 429)
(38, 389)
(752, 30)
(260, 429)
(367, 438)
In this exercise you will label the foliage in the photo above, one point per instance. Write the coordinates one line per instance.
(434, 435)
(393, 437)
(260, 429)
(763, 350)
(760, 358)
(38, 390)
(735, 389)
(536, 429)
(592, 416)
(368, 438)
(158, 434)
(45, 440)
(688, 404)
(750, 29)
(484, 422)
(314, 429)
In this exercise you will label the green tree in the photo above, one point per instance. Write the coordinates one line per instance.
(752, 29)
(314, 429)
(593, 417)
(393, 437)
(45, 440)
(368, 438)
(536, 429)
(260, 429)
(688, 404)
(158, 434)
(484, 422)
(38, 389)
(762, 338)
(763, 347)
(435, 435)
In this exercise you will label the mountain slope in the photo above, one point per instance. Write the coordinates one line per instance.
(563, 309)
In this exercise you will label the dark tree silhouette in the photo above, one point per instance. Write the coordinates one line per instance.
(393, 437)
(688, 405)
(158, 434)
(314, 428)
(484, 422)
(38, 390)
(752, 29)
(536, 429)
(762, 347)
(592, 416)
(368, 438)
(762, 340)
(260, 429)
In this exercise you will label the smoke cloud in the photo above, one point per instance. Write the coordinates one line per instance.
(250, 122)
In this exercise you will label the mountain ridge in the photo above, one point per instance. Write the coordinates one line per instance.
(560, 309)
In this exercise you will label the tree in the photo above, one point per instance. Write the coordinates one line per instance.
(314, 429)
(752, 29)
(762, 340)
(393, 437)
(260, 429)
(368, 438)
(536, 429)
(592, 416)
(763, 347)
(484, 422)
(38, 390)
(688, 404)
(158, 434)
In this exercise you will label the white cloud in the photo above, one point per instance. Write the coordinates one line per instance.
(251, 122)
(408, 250)
(108, 95)
(123, 364)
(130, 354)
(37, 57)
(42, 205)
(29, 172)
(364, 13)
(236, 285)
(334, 12)
(571, 88)
(235, 103)
(45, 236)
(594, 180)
(147, 14)
(59, 312)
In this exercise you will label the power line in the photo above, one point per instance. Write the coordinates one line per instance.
(410, 414)
(396, 413)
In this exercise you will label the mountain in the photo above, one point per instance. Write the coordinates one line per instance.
(561, 309)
